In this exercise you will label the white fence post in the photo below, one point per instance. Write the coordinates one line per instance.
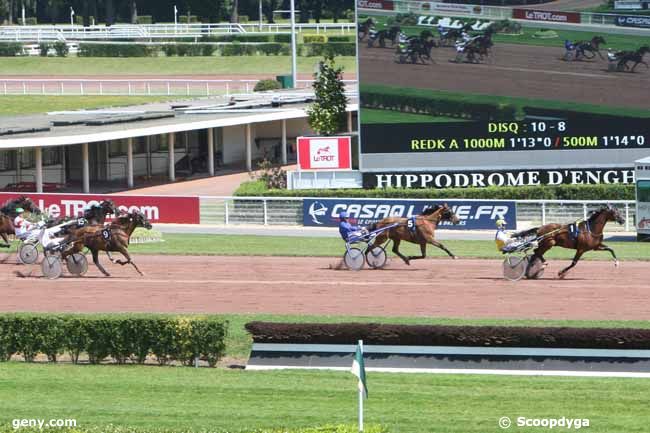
(227, 216)
(543, 213)
(627, 217)
(266, 213)
(584, 210)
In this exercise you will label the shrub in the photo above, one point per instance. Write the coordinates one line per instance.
(208, 50)
(145, 19)
(189, 50)
(61, 49)
(282, 38)
(237, 49)
(273, 49)
(44, 49)
(183, 19)
(10, 49)
(340, 39)
(169, 50)
(274, 177)
(333, 49)
(7, 337)
(243, 18)
(75, 337)
(264, 85)
(312, 39)
(117, 50)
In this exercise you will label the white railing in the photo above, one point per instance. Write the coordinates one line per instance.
(289, 210)
(157, 31)
(136, 87)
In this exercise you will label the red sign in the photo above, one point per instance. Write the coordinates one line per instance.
(386, 5)
(324, 153)
(549, 16)
(157, 209)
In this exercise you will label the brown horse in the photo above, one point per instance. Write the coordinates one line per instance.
(418, 230)
(114, 238)
(581, 236)
(8, 214)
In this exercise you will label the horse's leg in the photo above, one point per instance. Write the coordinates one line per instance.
(6, 241)
(423, 251)
(437, 244)
(125, 253)
(603, 247)
(96, 261)
(396, 243)
(576, 258)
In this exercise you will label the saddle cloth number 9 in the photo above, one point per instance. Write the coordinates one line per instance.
(106, 234)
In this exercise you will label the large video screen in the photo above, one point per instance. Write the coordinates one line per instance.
(471, 101)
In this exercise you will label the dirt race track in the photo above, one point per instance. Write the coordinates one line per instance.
(434, 288)
(512, 70)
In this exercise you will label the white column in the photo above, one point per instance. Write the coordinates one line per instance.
(86, 168)
(349, 121)
(211, 151)
(249, 158)
(284, 141)
(129, 162)
(38, 160)
(170, 145)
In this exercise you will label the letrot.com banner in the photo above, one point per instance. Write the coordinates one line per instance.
(324, 153)
(157, 209)
(472, 214)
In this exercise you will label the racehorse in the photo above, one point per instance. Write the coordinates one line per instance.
(479, 48)
(362, 29)
(449, 36)
(631, 56)
(114, 238)
(415, 48)
(96, 214)
(8, 214)
(581, 236)
(589, 49)
(418, 230)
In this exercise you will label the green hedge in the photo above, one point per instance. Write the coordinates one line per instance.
(118, 50)
(264, 85)
(334, 48)
(546, 192)
(10, 49)
(414, 101)
(9, 428)
(242, 38)
(122, 337)
(237, 49)
(314, 39)
(347, 38)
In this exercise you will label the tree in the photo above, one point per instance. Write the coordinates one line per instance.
(327, 113)
(234, 15)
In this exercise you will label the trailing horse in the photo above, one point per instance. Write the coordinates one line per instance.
(624, 57)
(114, 238)
(581, 236)
(364, 27)
(8, 214)
(418, 230)
(589, 49)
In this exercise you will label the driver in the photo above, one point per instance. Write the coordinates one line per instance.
(347, 230)
(505, 242)
(21, 225)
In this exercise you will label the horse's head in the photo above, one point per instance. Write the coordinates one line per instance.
(613, 214)
(644, 49)
(597, 40)
(140, 219)
(108, 207)
(447, 214)
(27, 204)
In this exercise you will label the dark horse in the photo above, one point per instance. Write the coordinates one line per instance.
(631, 56)
(362, 29)
(479, 48)
(418, 230)
(114, 238)
(8, 214)
(581, 236)
(589, 49)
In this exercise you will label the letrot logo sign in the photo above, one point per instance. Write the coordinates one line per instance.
(324, 153)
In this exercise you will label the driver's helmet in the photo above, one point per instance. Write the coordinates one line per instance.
(343, 215)
(20, 210)
(501, 223)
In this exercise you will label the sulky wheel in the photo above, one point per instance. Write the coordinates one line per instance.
(376, 257)
(27, 254)
(77, 264)
(354, 259)
(514, 267)
(52, 267)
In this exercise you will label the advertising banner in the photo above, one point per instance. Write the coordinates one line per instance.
(472, 214)
(157, 209)
(386, 5)
(451, 8)
(548, 16)
(633, 21)
(324, 153)
(485, 178)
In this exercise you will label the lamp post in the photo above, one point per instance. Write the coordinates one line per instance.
(72, 18)
(175, 19)
(260, 28)
(294, 70)
(24, 14)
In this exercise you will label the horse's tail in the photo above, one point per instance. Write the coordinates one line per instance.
(526, 233)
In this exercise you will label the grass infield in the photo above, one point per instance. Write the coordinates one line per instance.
(251, 245)
(26, 104)
(187, 399)
(231, 65)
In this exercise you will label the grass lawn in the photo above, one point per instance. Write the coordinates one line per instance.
(231, 65)
(371, 115)
(518, 102)
(17, 105)
(226, 400)
(231, 245)
(619, 42)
